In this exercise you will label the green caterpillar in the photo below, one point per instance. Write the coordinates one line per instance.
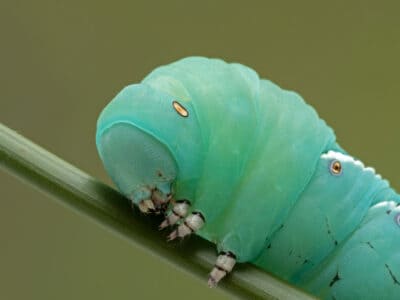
(252, 168)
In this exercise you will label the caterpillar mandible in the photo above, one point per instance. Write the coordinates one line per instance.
(251, 167)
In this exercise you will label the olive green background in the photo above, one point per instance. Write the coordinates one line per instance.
(61, 62)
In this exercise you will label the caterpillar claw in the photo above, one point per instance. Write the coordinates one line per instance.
(191, 224)
(160, 199)
(147, 206)
(179, 210)
(211, 282)
(154, 201)
(172, 236)
(164, 224)
(224, 265)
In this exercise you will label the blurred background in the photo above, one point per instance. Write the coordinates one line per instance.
(62, 61)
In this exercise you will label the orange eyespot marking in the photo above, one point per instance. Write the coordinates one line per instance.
(180, 109)
(336, 167)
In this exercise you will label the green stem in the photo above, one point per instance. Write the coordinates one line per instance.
(92, 198)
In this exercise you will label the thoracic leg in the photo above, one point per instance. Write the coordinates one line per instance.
(179, 211)
(225, 260)
(225, 263)
(154, 200)
(191, 224)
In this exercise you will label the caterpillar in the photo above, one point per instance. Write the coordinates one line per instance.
(252, 168)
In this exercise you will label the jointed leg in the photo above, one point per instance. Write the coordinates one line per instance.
(154, 200)
(225, 263)
(179, 211)
(191, 224)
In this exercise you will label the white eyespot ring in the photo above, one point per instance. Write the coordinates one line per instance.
(335, 167)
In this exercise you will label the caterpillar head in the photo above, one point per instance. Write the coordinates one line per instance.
(141, 137)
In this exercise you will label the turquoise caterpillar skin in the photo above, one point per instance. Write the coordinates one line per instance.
(251, 167)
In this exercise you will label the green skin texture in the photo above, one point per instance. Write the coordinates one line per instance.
(250, 157)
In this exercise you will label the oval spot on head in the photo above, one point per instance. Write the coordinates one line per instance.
(180, 109)
(335, 167)
(397, 219)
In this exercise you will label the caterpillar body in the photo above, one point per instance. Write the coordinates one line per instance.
(251, 167)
